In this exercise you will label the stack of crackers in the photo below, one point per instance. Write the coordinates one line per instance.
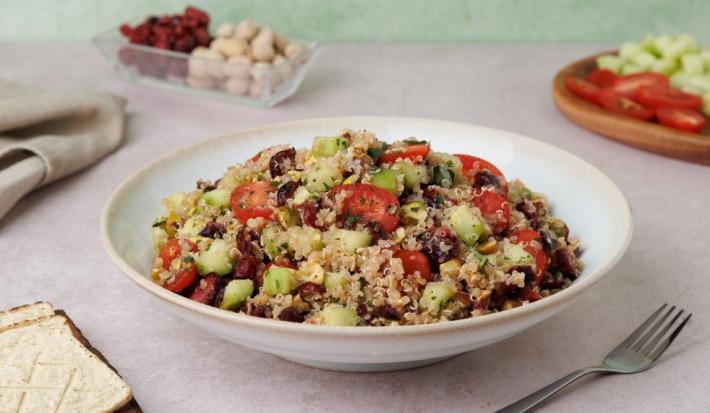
(46, 365)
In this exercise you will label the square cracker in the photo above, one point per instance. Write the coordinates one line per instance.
(25, 313)
(43, 368)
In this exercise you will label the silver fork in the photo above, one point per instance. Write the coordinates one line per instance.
(636, 354)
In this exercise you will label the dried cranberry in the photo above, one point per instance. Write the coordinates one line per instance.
(565, 262)
(186, 44)
(213, 230)
(282, 162)
(527, 293)
(527, 270)
(485, 178)
(361, 309)
(258, 311)
(310, 291)
(386, 311)
(500, 294)
(527, 208)
(285, 192)
(439, 244)
(246, 268)
(197, 14)
(207, 289)
(290, 314)
(309, 214)
(244, 239)
(483, 301)
(203, 38)
(125, 29)
(432, 196)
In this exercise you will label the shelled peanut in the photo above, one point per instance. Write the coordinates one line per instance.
(240, 60)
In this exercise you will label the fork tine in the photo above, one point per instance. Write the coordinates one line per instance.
(652, 344)
(637, 346)
(635, 335)
(667, 342)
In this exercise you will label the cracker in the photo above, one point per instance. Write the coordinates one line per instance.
(24, 313)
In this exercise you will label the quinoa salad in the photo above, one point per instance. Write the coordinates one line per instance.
(355, 231)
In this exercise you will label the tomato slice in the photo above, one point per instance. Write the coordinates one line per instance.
(659, 97)
(583, 89)
(494, 208)
(682, 119)
(183, 278)
(623, 105)
(601, 77)
(472, 164)
(407, 152)
(627, 85)
(525, 237)
(368, 204)
(250, 201)
(172, 250)
(413, 261)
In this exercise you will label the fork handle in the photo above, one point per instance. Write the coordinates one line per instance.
(533, 399)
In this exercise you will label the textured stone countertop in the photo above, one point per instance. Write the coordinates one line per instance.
(50, 247)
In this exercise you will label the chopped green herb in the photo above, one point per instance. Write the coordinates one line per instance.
(351, 220)
(375, 153)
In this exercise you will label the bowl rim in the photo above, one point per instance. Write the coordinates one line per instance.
(468, 324)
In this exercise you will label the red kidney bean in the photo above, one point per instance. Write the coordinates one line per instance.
(207, 289)
(285, 192)
(483, 301)
(282, 162)
(500, 294)
(259, 311)
(485, 178)
(213, 230)
(310, 291)
(246, 268)
(565, 262)
(527, 293)
(527, 208)
(387, 311)
(439, 244)
(290, 314)
(361, 309)
(244, 239)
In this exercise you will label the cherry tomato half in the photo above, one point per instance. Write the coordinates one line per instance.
(495, 210)
(408, 152)
(413, 261)
(659, 97)
(583, 89)
(369, 204)
(472, 164)
(525, 237)
(183, 278)
(601, 77)
(172, 250)
(623, 105)
(682, 119)
(627, 85)
(249, 201)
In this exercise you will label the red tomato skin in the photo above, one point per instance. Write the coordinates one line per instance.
(525, 237)
(413, 261)
(601, 78)
(583, 89)
(410, 152)
(183, 278)
(658, 97)
(248, 201)
(490, 203)
(472, 164)
(172, 250)
(682, 119)
(627, 85)
(624, 106)
(372, 204)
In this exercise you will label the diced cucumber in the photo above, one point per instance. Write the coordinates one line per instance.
(311, 272)
(337, 315)
(273, 241)
(630, 69)
(692, 64)
(435, 295)
(630, 49)
(413, 174)
(278, 280)
(235, 293)
(450, 268)
(322, 177)
(665, 66)
(413, 212)
(649, 45)
(347, 240)
(386, 179)
(442, 176)
(191, 227)
(699, 84)
(305, 239)
(447, 161)
(324, 146)
(334, 279)
(482, 258)
(610, 62)
(516, 255)
(466, 224)
(229, 181)
(215, 259)
(217, 197)
(643, 60)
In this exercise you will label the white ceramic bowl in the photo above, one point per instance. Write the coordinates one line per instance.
(592, 205)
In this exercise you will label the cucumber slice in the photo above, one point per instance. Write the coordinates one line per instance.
(324, 146)
(337, 315)
(386, 179)
(631, 68)
(610, 62)
(643, 60)
(347, 240)
(435, 295)
(516, 255)
(191, 227)
(413, 174)
(413, 212)
(235, 293)
(630, 49)
(322, 177)
(278, 280)
(334, 279)
(665, 66)
(692, 64)
(215, 259)
(467, 225)
(217, 197)
(699, 84)
(448, 161)
(649, 45)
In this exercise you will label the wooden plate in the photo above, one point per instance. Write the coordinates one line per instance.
(645, 135)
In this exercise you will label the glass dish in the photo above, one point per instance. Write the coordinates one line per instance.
(218, 79)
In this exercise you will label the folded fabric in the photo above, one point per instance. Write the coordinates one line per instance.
(46, 135)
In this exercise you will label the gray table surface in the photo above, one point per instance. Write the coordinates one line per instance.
(50, 247)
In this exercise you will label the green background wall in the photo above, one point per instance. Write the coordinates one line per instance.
(559, 21)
